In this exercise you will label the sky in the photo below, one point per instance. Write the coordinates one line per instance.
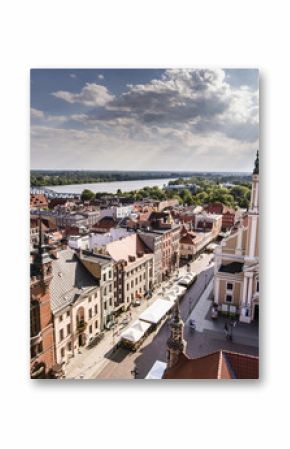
(144, 119)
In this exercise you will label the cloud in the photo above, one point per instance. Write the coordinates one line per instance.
(100, 76)
(186, 119)
(199, 98)
(92, 95)
(73, 75)
(36, 113)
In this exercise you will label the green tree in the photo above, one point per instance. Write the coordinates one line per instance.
(87, 195)
(186, 197)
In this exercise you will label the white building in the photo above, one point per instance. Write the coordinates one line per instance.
(78, 242)
(76, 305)
(99, 240)
(117, 212)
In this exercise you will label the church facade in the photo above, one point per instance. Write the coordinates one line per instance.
(236, 279)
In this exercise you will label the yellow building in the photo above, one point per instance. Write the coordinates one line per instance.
(236, 280)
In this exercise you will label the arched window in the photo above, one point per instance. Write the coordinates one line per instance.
(34, 318)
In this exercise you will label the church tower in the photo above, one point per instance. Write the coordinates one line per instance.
(175, 343)
(41, 322)
(250, 292)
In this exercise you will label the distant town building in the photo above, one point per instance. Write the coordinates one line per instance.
(38, 201)
(117, 212)
(229, 216)
(105, 224)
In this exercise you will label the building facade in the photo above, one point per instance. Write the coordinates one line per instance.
(76, 305)
(236, 281)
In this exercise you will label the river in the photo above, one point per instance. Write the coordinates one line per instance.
(111, 187)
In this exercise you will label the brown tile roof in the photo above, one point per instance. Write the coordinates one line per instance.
(105, 223)
(218, 365)
(219, 208)
(190, 238)
(38, 200)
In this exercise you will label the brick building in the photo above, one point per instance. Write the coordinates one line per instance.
(229, 216)
(42, 361)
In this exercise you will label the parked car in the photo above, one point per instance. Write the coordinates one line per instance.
(136, 303)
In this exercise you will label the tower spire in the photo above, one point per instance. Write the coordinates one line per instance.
(256, 168)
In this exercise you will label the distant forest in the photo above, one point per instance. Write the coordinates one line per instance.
(40, 178)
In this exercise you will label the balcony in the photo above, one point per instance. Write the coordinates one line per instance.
(81, 326)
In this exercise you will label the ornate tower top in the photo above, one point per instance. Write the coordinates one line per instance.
(175, 343)
(42, 261)
(256, 168)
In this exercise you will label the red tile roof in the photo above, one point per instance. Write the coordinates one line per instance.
(218, 365)
(105, 223)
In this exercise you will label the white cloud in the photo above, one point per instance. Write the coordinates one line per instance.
(91, 95)
(36, 113)
(187, 119)
(73, 75)
(100, 76)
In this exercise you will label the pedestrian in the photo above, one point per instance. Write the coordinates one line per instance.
(226, 330)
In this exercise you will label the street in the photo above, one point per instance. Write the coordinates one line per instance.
(106, 362)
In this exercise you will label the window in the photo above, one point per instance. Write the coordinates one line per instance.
(69, 346)
(105, 305)
(257, 288)
(61, 335)
(60, 318)
(34, 318)
(67, 313)
(105, 291)
(62, 353)
(96, 324)
(90, 313)
(229, 298)
(96, 310)
(230, 286)
(90, 329)
(110, 287)
(90, 299)
(104, 277)
(68, 329)
(128, 286)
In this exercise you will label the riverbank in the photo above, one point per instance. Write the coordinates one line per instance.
(110, 187)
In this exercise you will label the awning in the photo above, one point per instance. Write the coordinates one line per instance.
(135, 332)
(157, 370)
(156, 312)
